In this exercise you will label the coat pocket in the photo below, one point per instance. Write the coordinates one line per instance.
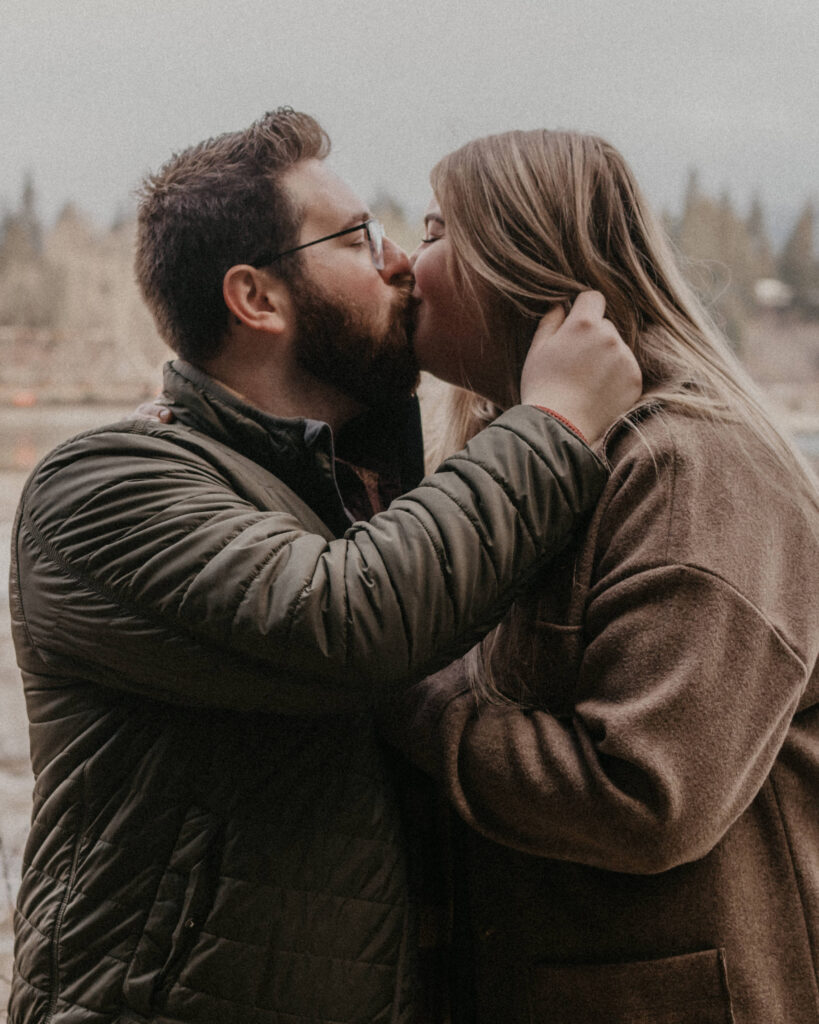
(689, 989)
(183, 900)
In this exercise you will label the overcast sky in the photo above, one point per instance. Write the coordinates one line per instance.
(93, 93)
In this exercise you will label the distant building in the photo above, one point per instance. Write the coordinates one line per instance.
(771, 293)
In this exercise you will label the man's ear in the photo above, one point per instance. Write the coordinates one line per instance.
(257, 299)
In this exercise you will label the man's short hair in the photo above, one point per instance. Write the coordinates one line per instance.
(215, 205)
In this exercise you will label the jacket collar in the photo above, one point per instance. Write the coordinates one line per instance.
(298, 451)
(201, 402)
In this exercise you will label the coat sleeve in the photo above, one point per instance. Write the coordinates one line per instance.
(683, 693)
(133, 558)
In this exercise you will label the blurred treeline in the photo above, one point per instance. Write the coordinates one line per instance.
(67, 277)
(730, 259)
(66, 294)
(77, 280)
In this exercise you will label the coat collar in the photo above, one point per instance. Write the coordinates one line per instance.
(201, 402)
(299, 451)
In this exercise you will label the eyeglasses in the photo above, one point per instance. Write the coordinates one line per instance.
(375, 236)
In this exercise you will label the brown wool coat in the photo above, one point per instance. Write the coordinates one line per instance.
(645, 848)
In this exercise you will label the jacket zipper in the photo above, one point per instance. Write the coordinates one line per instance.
(58, 924)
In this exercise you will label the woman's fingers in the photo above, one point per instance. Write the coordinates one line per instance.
(581, 368)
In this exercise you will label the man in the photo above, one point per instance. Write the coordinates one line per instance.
(202, 633)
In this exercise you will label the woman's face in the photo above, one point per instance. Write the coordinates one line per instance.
(450, 336)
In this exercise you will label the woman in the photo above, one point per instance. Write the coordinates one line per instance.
(636, 748)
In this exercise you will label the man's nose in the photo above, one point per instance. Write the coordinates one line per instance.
(396, 262)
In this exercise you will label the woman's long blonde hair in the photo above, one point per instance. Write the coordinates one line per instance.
(534, 218)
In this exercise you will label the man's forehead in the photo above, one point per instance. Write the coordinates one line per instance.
(326, 200)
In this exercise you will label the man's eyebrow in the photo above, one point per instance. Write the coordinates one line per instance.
(357, 218)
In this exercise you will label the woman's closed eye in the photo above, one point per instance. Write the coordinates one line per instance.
(433, 229)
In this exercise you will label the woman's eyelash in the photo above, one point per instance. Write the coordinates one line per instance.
(435, 239)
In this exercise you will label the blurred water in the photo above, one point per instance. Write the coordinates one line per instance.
(26, 434)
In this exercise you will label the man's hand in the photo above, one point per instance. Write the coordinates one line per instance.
(580, 367)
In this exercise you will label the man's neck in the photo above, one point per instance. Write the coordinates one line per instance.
(286, 392)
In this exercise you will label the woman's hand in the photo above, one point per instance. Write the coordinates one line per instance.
(580, 367)
(155, 410)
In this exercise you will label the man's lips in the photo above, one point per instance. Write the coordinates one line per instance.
(412, 315)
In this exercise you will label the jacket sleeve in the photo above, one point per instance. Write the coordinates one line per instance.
(133, 558)
(683, 693)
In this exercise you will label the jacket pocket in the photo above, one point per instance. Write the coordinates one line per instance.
(689, 989)
(183, 900)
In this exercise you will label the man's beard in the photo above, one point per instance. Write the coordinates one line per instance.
(336, 344)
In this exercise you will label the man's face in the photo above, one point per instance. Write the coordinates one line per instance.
(353, 322)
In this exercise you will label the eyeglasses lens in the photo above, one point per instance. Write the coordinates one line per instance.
(375, 234)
